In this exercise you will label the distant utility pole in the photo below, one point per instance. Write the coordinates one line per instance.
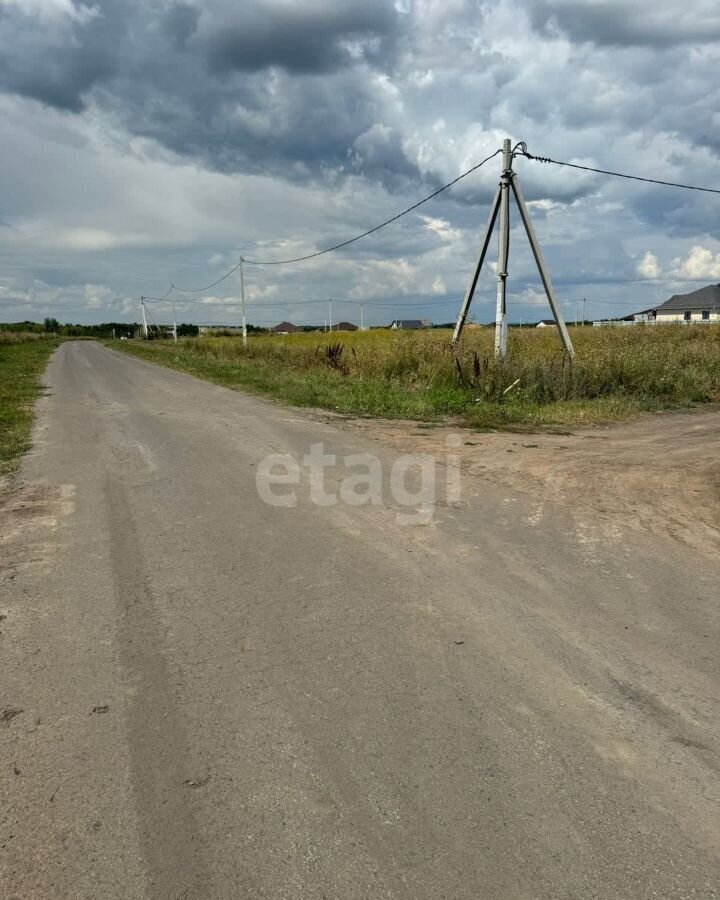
(144, 317)
(330, 313)
(174, 323)
(509, 182)
(577, 312)
(362, 326)
(584, 302)
(242, 301)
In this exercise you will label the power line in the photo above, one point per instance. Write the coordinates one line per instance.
(386, 304)
(207, 286)
(521, 148)
(285, 262)
(260, 304)
(555, 162)
(390, 306)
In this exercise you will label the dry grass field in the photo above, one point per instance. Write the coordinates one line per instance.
(618, 372)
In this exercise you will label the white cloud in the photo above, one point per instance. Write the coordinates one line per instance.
(699, 265)
(70, 303)
(97, 296)
(95, 239)
(442, 228)
(648, 266)
(531, 297)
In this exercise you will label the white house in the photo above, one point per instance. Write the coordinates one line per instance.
(645, 315)
(410, 324)
(702, 305)
(210, 329)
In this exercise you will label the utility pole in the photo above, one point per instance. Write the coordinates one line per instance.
(577, 312)
(584, 302)
(242, 302)
(362, 326)
(330, 313)
(509, 182)
(503, 249)
(174, 323)
(144, 317)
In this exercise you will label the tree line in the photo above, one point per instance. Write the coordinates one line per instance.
(101, 330)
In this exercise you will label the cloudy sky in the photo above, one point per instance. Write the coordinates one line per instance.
(150, 142)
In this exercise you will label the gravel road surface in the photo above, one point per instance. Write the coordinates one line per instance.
(204, 696)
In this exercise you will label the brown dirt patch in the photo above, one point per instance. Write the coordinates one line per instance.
(659, 474)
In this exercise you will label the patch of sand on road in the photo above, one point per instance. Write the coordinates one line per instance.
(29, 515)
(659, 474)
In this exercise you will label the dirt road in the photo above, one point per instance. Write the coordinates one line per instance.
(506, 692)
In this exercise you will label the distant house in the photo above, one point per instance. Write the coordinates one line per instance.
(410, 324)
(645, 315)
(285, 328)
(344, 326)
(212, 329)
(546, 323)
(702, 305)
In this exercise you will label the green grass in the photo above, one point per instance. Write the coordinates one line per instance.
(23, 358)
(618, 372)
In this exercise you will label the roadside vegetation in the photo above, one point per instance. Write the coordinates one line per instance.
(618, 372)
(23, 357)
(99, 330)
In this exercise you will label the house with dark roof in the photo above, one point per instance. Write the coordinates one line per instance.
(410, 324)
(344, 326)
(285, 328)
(702, 305)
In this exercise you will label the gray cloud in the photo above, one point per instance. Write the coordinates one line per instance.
(149, 140)
(56, 62)
(259, 87)
(626, 23)
(314, 37)
(181, 22)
